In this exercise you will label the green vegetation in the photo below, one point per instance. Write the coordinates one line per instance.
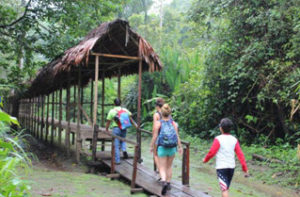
(12, 158)
(237, 59)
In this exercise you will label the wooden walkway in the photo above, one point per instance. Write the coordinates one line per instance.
(147, 179)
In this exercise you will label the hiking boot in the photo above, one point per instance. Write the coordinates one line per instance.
(125, 155)
(164, 189)
(117, 163)
(168, 186)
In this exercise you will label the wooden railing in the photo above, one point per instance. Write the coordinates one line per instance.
(112, 170)
(185, 172)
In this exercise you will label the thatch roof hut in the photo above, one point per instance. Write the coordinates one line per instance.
(116, 38)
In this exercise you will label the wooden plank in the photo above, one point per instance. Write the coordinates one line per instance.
(115, 56)
(146, 179)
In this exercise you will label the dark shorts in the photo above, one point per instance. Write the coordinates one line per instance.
(225, 176)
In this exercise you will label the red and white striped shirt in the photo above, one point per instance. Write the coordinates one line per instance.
(225, 146)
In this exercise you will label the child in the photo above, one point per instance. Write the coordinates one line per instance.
(224, 146)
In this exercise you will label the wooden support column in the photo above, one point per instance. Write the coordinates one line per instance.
(138, 136)
(119, 84)
(47, 119)
(185, 174)
(34, 116)
(39, 118)
(60, 117)
(91, 104)
(82, 103)
(52, 121)
(102, 108)
(78, 138)
(67, 139)
(43, 120)
(95, 137)
(74, 101)
(134, 171)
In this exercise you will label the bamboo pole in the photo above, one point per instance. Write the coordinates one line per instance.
(38, 115)
(78, 139)
(81, 102)
(116, 56)
(74, 101)
(102, 108)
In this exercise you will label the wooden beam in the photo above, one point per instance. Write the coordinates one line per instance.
(86, 115)
(78, 139)
(116, 56)
(119, 84)
(91, 98)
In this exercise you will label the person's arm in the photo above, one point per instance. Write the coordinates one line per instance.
(133, 122)
(213, 150)
(241, 157)
(107, 125)
(178, 138)
(155, 134)
(155, 119)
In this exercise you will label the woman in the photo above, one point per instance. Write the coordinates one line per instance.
(165, 133)
(157, 117)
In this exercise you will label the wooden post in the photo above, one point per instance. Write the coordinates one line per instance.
(47, 118)
(102, 108)
(185, 175)
(74, 101)
(112, 169)
(67, 139)
(119, 84)
(60, 117)
(95, 137)
(94, 143)
(52, 121)
(38, 115)
(91, 104)
(43, 123)
(82, 103)
(34, 116)
(103, 99)
(139, 105)
(78, 138)
(136, 150)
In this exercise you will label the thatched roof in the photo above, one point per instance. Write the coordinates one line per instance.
(114, 37)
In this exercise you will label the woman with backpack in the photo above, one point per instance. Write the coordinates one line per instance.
(165, 135)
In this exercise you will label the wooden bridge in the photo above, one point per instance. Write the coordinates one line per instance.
(57, 114)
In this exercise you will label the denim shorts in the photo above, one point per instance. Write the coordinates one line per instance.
(166, 152)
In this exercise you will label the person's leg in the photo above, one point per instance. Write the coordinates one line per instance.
(163, 173)
(169, 168)
(156, 157)
(116, 131)
(225, 193)
(123, 144)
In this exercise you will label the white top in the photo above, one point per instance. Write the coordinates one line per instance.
(225, 157)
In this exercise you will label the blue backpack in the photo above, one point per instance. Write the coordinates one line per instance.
(123, 119)
(167, 135)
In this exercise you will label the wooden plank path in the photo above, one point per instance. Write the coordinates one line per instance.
(147, 179)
